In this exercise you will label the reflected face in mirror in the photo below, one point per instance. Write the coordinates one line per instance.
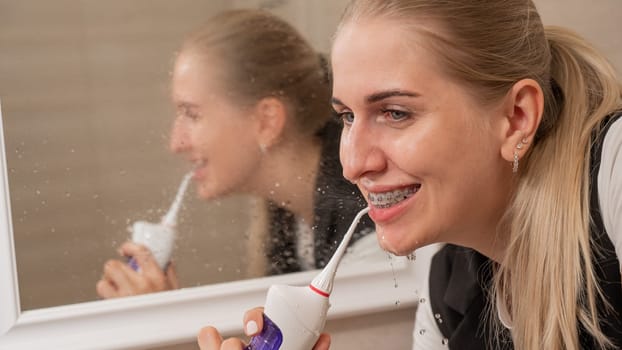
(214, 133)
(253, 117)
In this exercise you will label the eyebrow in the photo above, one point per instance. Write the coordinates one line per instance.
(379, 96)
(186, 105)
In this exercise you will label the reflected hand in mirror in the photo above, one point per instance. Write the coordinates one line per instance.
(253, 117)
(120, 279)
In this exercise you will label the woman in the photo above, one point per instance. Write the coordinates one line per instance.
(253, 117)
(500, 137)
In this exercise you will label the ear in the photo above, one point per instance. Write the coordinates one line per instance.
(522, 109)
(271, 117)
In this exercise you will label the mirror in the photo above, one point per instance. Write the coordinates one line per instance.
(86, 88)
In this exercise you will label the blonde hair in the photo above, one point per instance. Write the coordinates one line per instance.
(546, 280)
(260, 55)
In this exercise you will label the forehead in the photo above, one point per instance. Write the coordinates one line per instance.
(378, 54)
(196, 76)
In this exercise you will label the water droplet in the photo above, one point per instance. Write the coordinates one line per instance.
(397, 303)
(392, 270)
(422, 331)
(422, 301)
(445, 341)
(276, 184)
(412, 256)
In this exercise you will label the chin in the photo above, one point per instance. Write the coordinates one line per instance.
(206, 194)
(214, 192)
(398, 245)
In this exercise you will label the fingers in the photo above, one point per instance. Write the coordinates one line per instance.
(171, 276)
(253, 321)
(209, 339)
(119, 279)
(323, 343)
(115, 280)
(232, 344)
(106, 289)
(151, 278)
(145, 260)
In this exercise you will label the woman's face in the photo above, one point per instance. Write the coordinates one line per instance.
(420, 149)
(212, 130)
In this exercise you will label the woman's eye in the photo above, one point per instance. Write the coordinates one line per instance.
(188, 115)
(346, 117)
(192, 116)
(396, 115)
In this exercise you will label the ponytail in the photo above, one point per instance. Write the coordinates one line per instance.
(550, 216)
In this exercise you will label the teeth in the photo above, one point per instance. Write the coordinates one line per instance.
(387, 199)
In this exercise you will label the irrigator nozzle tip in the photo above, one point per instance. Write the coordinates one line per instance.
(170, 218)
(324, 280)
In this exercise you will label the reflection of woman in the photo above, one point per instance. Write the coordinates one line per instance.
(253, 116)
(502, 137)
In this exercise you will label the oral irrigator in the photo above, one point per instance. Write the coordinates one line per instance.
(295, 316)
(160, 237)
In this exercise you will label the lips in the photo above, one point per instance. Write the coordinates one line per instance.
(388, 199)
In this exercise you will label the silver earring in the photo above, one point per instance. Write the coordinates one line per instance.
(523, 142)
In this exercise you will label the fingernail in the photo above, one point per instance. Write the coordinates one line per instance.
(251, 328)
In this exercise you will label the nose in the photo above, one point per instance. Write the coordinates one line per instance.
(360, 151)
(180, 137)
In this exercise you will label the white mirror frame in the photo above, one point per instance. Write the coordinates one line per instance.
(175, 317)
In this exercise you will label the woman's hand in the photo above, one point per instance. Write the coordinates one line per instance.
(210, 339)
(120, 280)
